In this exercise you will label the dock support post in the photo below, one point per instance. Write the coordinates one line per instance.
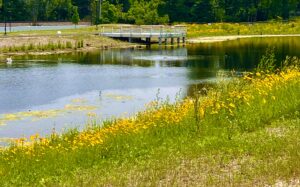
(129, 39)
(159, 40)
(178, 40)
(148, 41)
(183, 40)
(172, 41)
(166, 41)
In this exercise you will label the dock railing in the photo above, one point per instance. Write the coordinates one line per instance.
(144, 31)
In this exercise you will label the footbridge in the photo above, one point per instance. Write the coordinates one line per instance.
(147, 34)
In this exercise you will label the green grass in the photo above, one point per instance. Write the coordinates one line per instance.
(227, 29)
(251, 139)
(182, 157)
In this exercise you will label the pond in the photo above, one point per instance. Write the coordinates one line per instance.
(40, 94)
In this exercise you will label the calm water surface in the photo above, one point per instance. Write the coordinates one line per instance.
(40, 93)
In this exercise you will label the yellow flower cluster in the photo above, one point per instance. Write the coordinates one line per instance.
(150, 118)
(262, 83)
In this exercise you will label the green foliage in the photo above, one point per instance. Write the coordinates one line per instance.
(111, 13)
(31, 47)
(69, 45)
(146, 12)
(23, 47)
(149, 11)
(268, 61)
(75, 16)
(78, 44)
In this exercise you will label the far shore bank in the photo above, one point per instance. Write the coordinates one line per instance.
(54, 44)
(212, 39)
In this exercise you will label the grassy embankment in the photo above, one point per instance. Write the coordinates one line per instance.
(39, 42)
(235, 29)
(243, 132)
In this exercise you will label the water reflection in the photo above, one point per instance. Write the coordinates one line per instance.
(50, 83)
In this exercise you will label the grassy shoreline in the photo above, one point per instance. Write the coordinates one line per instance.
(213, 39)
(219, 32)
(236, 29)
(231, 135)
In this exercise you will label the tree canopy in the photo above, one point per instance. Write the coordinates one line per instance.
(148, 11)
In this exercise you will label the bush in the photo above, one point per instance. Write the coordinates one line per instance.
(69, 45)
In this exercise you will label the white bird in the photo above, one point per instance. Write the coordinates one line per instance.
(59, 33)
(9, 60)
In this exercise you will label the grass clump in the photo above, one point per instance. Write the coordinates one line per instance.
(231, 135)
(69, 45)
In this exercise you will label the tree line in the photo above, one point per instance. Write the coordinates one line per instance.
(148, 11)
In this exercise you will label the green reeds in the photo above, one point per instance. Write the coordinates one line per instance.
(50, 46)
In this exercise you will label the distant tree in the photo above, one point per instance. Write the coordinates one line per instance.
(33, 5)
(146, 12)
(111, 13)
(84, 8)
(75, 16)
(149, 11)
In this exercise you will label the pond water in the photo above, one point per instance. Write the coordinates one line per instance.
(41, 93)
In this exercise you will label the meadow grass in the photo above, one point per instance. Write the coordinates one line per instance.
(256, 28)
(240, 132)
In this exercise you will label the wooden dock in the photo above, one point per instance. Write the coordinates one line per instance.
(148, 34)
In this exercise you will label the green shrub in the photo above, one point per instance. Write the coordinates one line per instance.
(68, 45)
(31, 47)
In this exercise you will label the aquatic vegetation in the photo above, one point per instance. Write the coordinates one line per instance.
(2, 123)
(79, 100)
(10, 117)
(39, 114)
(79, 107)
(118, 97)
(44, 114)
(34, 115)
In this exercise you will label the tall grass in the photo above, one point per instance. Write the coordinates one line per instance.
(220, 29)
(50, 46)
(229, 135)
